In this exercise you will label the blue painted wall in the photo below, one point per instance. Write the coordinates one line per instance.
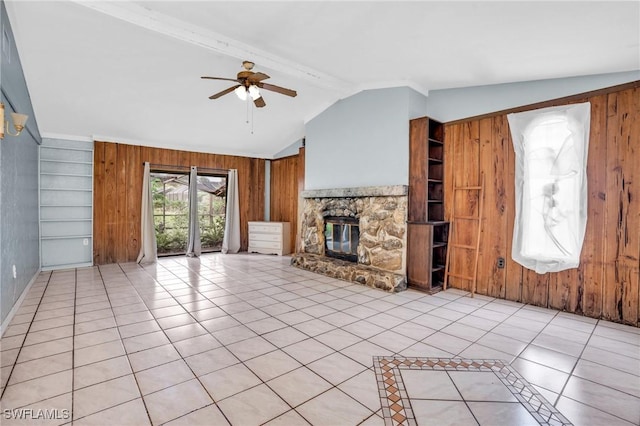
(454, 104)
(363, 140)
(19, 242)
(290, 150)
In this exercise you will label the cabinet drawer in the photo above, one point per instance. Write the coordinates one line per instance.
(275, 228)
(265, 237)
(265, 244)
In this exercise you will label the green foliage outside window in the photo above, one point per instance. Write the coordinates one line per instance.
(171, 217)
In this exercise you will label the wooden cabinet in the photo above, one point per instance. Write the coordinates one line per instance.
(427, 232)
(427, 254)
(269, 238)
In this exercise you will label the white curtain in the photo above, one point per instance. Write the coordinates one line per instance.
(148, 250)
(194, 247)
(231, 240)
(551, 146)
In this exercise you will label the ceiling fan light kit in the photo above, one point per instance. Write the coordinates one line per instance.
(254, 92)
(249, 85)
(241, 92)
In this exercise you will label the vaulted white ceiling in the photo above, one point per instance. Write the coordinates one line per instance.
(130, 71)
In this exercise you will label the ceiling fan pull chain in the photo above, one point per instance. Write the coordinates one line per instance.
(247, 102)
(252, 119)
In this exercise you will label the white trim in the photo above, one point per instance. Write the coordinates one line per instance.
(67, 266)
(169, 145)
(61, 136)
(16, 306)
(39, 208)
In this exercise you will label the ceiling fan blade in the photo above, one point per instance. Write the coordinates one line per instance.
(277, 89)
(224, 92)
(219, 78)
(258, 76)
(259, 102)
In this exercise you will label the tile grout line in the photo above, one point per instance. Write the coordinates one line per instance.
(560, 394)
(275, 277)
(73, 345)
(499, 322)
(125, 354)
(466, 403)
(181, 358)
(264, 382)
(44, 290)
(269, 387)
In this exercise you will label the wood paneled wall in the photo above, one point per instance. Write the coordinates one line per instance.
(286, 174)
(118, 170)
(606, 283)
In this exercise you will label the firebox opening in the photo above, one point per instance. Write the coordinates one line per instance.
(341, 237)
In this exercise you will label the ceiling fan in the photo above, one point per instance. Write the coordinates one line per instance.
(249, 84)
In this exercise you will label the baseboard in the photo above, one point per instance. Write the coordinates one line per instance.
(16, 306)
(66, 266)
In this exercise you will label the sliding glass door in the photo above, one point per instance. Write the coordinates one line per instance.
(212, 197)
(171, 211)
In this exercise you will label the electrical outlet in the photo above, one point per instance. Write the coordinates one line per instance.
(85, 242)
(15, 272)
(500, 262)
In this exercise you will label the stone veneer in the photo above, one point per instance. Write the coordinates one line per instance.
(382, 216)
(350, 271)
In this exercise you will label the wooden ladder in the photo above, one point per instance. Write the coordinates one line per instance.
(453, 244)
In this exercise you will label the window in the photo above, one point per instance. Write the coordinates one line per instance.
(551, 147)
(171, 211)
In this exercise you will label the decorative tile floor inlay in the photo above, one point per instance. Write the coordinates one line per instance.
(396, 401)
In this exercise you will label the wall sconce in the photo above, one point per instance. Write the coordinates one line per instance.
(19, 120)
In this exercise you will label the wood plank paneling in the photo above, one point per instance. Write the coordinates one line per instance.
(117, 192)
(606, 283)
(110, 202)
(592, 261)
(134, 200)
(99, 225)
(491, 279)
(285, 189)
(514, 271)
(301, 169)
(623, 208)
(121, 228)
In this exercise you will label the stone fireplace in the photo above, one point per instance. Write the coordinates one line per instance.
(356, 234)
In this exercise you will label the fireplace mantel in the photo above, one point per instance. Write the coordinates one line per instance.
(360, 191)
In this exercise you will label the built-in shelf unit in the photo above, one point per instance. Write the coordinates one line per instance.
(427, 231)
(66, 204)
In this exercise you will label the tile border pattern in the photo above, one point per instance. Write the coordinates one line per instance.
(396, 407)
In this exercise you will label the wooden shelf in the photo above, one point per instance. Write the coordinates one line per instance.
(427, 231)
(436, 268)
(49, 160)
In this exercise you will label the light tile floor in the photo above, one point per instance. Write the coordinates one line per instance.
(248, 339)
